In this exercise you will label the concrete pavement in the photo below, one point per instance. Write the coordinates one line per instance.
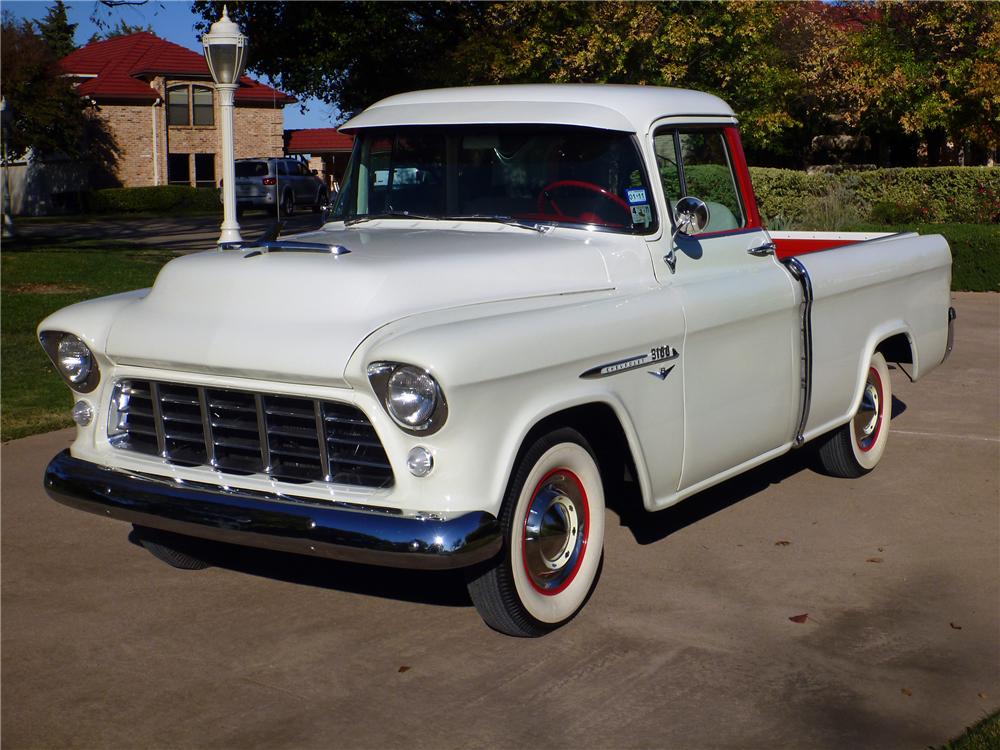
(686, 643)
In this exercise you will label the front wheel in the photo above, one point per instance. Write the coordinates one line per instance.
(553, 522)
(855, 448)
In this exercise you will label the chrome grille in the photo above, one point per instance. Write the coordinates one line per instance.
(239, 432)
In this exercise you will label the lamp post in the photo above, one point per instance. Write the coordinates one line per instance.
(226, 53)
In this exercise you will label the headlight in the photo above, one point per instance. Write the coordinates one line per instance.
(410, 395)
(72, 358)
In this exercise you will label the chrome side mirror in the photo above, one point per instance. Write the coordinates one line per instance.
(692, 216)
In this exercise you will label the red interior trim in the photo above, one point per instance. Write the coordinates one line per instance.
(787, 248)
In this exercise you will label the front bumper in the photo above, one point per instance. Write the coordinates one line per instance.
(283, 523)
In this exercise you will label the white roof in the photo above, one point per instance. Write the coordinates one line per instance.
(607, 106)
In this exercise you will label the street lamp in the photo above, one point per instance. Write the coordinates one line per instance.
(226, 54)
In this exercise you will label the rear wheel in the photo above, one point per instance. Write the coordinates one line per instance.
(553, 522)
(288, 203)
(855, 448)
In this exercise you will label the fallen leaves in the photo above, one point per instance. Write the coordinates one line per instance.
(981, 696)
(782, 543)
(799, 618)
(404, 669)
(906, 691)
(954, 626)
(873, 559)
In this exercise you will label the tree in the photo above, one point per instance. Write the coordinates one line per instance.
(925, 70)
(122, 29)
(48, 116)
(351, 54)
(57, 31)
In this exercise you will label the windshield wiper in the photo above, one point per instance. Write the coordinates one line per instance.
(508, 220)
(389, 215)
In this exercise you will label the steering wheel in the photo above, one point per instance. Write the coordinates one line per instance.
(545, 197)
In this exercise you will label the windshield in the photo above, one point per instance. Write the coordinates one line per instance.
(533, 174)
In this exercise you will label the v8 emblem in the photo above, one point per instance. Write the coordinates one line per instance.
(662, 372)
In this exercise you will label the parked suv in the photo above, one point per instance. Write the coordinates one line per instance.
(277, 185)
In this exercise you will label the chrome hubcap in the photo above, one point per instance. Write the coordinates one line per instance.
(554, 532)
(866, 421)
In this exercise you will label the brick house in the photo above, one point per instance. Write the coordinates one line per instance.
(159, 101)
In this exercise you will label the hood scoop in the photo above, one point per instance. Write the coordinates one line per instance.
(283, 246)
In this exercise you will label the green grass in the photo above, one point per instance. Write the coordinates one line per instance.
(983, 736)
(975, 250)
(37, 281)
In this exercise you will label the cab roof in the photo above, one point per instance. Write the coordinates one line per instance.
(607, 106)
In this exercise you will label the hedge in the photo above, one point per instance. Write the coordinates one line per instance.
(790, 199)
(159, 199)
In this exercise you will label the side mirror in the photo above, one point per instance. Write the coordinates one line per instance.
(692, 215)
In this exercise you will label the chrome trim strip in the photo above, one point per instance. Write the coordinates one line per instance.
(161, 437)
(324, 446)
(801, 274)
(265, 444)
(260, 520)
(951, 334)
(206, 426)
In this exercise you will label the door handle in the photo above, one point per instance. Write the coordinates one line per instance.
(762, 251)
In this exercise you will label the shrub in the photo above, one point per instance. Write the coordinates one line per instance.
(921, 195)
(159, 199)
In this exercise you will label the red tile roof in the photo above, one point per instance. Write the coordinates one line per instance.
(317, 140)
(119, 68)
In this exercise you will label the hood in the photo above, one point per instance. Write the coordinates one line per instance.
(298, 317)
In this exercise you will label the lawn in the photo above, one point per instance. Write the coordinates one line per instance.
(983, 736)
(36, 282)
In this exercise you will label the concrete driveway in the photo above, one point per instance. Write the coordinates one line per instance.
(686, 643)
(179, 233)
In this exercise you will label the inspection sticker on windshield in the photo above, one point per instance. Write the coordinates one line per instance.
(636, 195)
(641, 214)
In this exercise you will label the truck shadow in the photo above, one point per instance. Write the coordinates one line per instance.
(443, 588)
(650, 527)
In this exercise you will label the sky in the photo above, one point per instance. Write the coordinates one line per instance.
(170, 19)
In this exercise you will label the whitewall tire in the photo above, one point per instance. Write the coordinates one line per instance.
(855, 448)
(553, 522)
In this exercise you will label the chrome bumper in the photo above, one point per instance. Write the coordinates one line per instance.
(271, 522)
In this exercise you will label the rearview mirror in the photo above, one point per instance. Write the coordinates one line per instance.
(692, 215)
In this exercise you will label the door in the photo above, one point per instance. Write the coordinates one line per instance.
(740, 354)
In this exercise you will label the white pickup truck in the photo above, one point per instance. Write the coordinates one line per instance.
(522, 295)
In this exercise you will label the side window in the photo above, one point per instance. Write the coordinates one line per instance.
(177, 106)
(204, 113)
(696, 162)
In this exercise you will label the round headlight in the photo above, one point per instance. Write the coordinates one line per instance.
(74, 359)
(411, 396)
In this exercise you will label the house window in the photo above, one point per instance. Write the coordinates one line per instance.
(178, 169)
(204, 112)
(190, 105)
(204, 170)
(177, 106)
